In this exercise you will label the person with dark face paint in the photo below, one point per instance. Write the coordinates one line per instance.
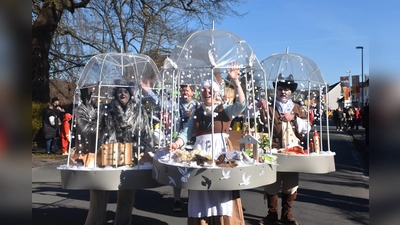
(120, 121)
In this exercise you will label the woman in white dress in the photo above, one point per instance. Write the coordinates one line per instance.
(213, 207)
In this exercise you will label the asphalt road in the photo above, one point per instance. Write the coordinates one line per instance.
(340, 197)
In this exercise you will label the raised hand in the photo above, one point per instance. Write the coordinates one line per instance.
(234, 71)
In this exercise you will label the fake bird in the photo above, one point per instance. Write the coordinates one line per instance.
(206, 181)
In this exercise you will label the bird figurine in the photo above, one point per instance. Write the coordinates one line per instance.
(206, 181)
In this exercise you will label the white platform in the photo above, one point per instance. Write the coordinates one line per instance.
(214, 178)
(103, 179)
(321, 163)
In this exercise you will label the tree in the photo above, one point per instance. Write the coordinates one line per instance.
(150, 27)
(49, 13)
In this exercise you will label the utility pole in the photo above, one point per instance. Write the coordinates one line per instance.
(351, 98)
(362, 74)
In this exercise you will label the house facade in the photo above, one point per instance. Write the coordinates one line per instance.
(334, 97)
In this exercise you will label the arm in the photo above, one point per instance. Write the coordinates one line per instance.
(301, 119)
(153, 97)
(303, 125)
(183, 135)
(240, 103)
(234, 74)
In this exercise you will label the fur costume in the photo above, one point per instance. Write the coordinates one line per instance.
(115, 124)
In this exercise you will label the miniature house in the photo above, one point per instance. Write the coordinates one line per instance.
(252, 141)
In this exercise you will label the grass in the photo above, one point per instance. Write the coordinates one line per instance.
(48, 156)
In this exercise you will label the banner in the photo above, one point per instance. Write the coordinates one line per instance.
(344, 83)
(355, 81)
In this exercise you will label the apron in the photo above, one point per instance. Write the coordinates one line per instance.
(210, 203)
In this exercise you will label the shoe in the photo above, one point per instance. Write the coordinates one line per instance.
(177, 206)
(65, 153)
(271, 218)
(289, 221)
(286, 215)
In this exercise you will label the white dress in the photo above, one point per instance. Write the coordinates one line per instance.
(210, 203)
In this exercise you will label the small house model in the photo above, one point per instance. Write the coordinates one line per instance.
(252, 141)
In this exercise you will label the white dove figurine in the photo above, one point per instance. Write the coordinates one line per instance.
(225, 175)
(185, 174)
(171, 181)
(246, 180)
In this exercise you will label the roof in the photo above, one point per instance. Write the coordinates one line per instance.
(333, 86)
(248, 139)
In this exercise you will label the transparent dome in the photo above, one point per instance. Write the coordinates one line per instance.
(111, 69)
(204, 53)
(301, 69)
(95, 93)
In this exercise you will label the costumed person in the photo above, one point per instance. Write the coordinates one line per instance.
(121, 121)
(289, 124)
(49, 126)
(187, 105)
(65, 133)
(213, 207)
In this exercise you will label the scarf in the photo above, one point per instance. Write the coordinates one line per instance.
(284, 107)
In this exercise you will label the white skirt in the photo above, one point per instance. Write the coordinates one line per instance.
(210, 203)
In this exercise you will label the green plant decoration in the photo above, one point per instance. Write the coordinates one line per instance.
(263, 141)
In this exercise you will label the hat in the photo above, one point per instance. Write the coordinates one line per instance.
(67, 116)
(214, 85)
(54, 99)
(286, 82)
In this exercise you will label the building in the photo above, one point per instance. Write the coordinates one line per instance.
(334, 97)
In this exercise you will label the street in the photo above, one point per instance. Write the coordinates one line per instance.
(340, 197)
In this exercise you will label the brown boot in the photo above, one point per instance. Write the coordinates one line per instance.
(272, 216)
(286, 217)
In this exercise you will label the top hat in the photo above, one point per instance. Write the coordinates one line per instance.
(287, 82)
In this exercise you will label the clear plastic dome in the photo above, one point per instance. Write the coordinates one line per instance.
(96, 89)
(109, 69)
(301, 69)
(311, 86)
(204, 53)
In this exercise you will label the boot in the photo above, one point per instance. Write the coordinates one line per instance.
(286, 216)
(272, 216)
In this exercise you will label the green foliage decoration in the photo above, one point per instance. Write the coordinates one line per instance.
(37, 108)
(264, 141)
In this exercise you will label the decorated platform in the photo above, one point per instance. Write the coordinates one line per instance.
(313, 163)
(209, 177)
(121, 178)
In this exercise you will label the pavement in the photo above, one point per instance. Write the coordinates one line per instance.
(362, 148)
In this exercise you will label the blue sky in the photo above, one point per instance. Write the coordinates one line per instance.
(325, 31)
